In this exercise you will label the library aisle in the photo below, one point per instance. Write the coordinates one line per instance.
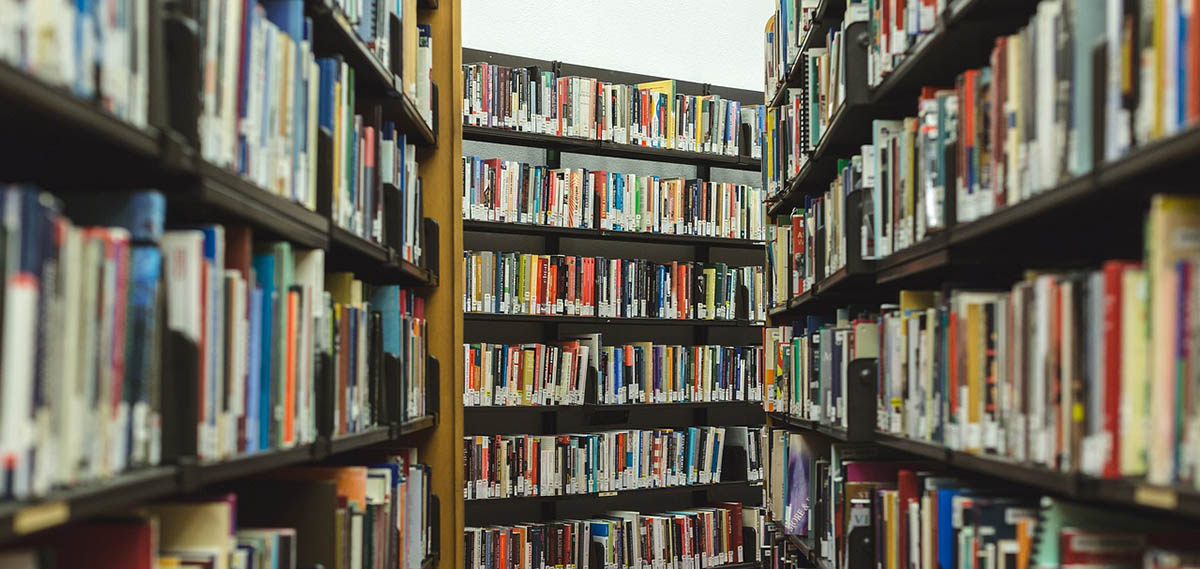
(450, 284)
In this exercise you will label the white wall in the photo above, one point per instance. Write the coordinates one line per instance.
(706, 41)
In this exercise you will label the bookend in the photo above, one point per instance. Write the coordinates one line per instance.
(430, 255)
(434, 517)
(325, 155)
(396, 47)
(734, 461)
(181, 368)
(393, 235)
(433, 376)
(393, 392)
(184, 83)
(433, 92)
(324, 378)
(860, 399)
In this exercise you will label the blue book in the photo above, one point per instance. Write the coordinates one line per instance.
(386, 299)
(329, 68)
(141, 212)
(264, 268)
(947, 537)
(254, 373)
(142, 364)
(250, 19)
(288, 15)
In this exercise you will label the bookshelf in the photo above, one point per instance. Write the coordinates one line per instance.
(1068, 228)
(110, 154)
(507, 328)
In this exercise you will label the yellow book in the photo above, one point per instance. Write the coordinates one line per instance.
(890, 497)
(916, 300)
(196, 526)
(1159, 81)
(343, 288)
(974, 350)
(664, 87)
(410, 37)
(1173, 236)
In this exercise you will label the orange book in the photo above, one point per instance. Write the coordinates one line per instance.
(351, 481)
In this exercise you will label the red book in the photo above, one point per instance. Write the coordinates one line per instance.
(1113, 271)
(128, 544)
(735, 526)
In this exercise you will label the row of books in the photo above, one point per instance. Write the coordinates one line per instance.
(372, 22)
(809, 374)
(376, 516)
(569, 285)
(653, 114)
(896, 29)
(785, 33)
(861, 505)
(696, 538)
(516, 375)
(515, 192)
(84, 398)
(97, 51)
(1000, 137)
(268, 98)
(795, 128)
(373, 177)
(513, 466)
(1074, 370)
(810, 244)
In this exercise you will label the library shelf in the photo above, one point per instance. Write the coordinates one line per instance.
(590, 407)
(607, 235)
(222, 194)
(1062, 483)
(347, 242)
(826, 293)
(613, 494)
(789, 422)
(805, 545)
(416, 425)
(962, 39)
(373, 262)
(201, 474)
(371, 436)
(143, 485)
(790, 79)
(602, 321)
(26, 98)
(62, 506)
(848, 130)
(932, 253)
(605, 148)
(333, 34)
